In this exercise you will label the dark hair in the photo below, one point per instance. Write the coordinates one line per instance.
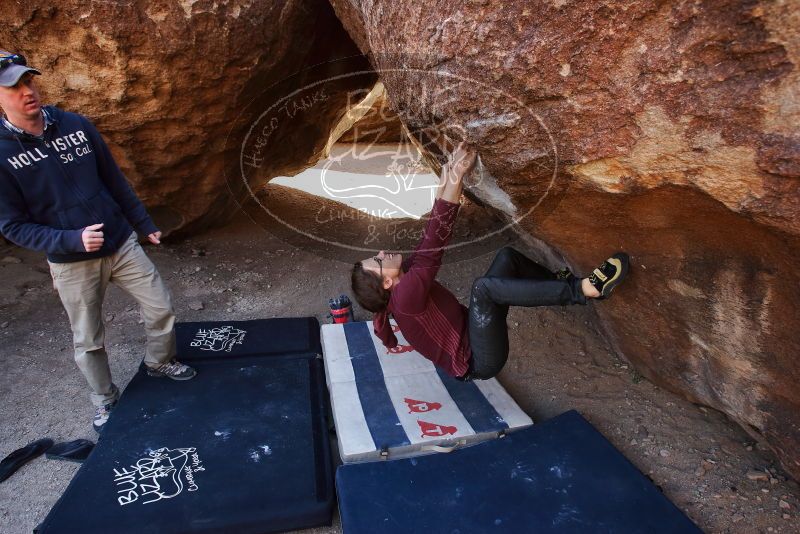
(368, 289)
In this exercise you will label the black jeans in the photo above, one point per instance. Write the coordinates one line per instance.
(512, 280)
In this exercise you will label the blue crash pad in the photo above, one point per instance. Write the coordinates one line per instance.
(561, 476)
(243, 447)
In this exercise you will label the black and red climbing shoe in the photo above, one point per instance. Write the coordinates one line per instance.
(609, 275)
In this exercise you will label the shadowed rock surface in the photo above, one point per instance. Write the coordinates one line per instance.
(175, 86)
(666, 129)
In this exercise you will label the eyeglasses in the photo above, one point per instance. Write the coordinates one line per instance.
(15, 59)
(379, 261)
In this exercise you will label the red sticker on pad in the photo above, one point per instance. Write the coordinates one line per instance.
(417, 406)
(431, 430)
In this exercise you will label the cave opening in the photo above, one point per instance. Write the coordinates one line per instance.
(369, 164)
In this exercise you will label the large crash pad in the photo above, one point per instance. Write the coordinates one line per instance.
(242, 447)
(560, 476)
(398, 404)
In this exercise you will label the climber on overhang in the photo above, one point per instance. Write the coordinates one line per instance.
(467, 343)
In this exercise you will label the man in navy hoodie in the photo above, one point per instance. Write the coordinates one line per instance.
(61, 192)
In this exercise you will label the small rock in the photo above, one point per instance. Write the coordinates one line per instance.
(737, 518)
(4, 324)
(516, 324)
(787, 516)
(248, 260)
(757, 475)
(196, 305)
(197, 269)
(700, 471)
(783, 505)
(749, 447)
(642, 431)
(229, 310)
(664, 453)
(140, 321)
(634, 442)
(109, 317)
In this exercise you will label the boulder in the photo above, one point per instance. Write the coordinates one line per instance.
(665, 129)
(175, 86)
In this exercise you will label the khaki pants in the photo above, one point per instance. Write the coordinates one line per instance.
(82, 286)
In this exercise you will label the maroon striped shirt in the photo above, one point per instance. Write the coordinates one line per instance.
(430, 317)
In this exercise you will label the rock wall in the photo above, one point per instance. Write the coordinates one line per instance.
(666, 129)
(167, 83)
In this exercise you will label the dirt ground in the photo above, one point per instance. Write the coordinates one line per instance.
(704, 463)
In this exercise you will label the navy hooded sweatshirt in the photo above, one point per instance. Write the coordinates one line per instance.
(54, 186)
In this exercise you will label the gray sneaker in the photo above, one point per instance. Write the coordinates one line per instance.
(174, 370)
(101, 416)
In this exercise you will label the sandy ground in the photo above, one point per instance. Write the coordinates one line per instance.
(559, 361)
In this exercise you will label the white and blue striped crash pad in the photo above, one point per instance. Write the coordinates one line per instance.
(398, 404)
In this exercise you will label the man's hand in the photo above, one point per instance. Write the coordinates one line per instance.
(92, 237)
(155, 237)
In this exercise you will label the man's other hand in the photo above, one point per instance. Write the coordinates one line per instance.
(155, 238)
(92, 237)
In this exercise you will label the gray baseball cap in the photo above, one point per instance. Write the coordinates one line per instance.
(12, 72)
